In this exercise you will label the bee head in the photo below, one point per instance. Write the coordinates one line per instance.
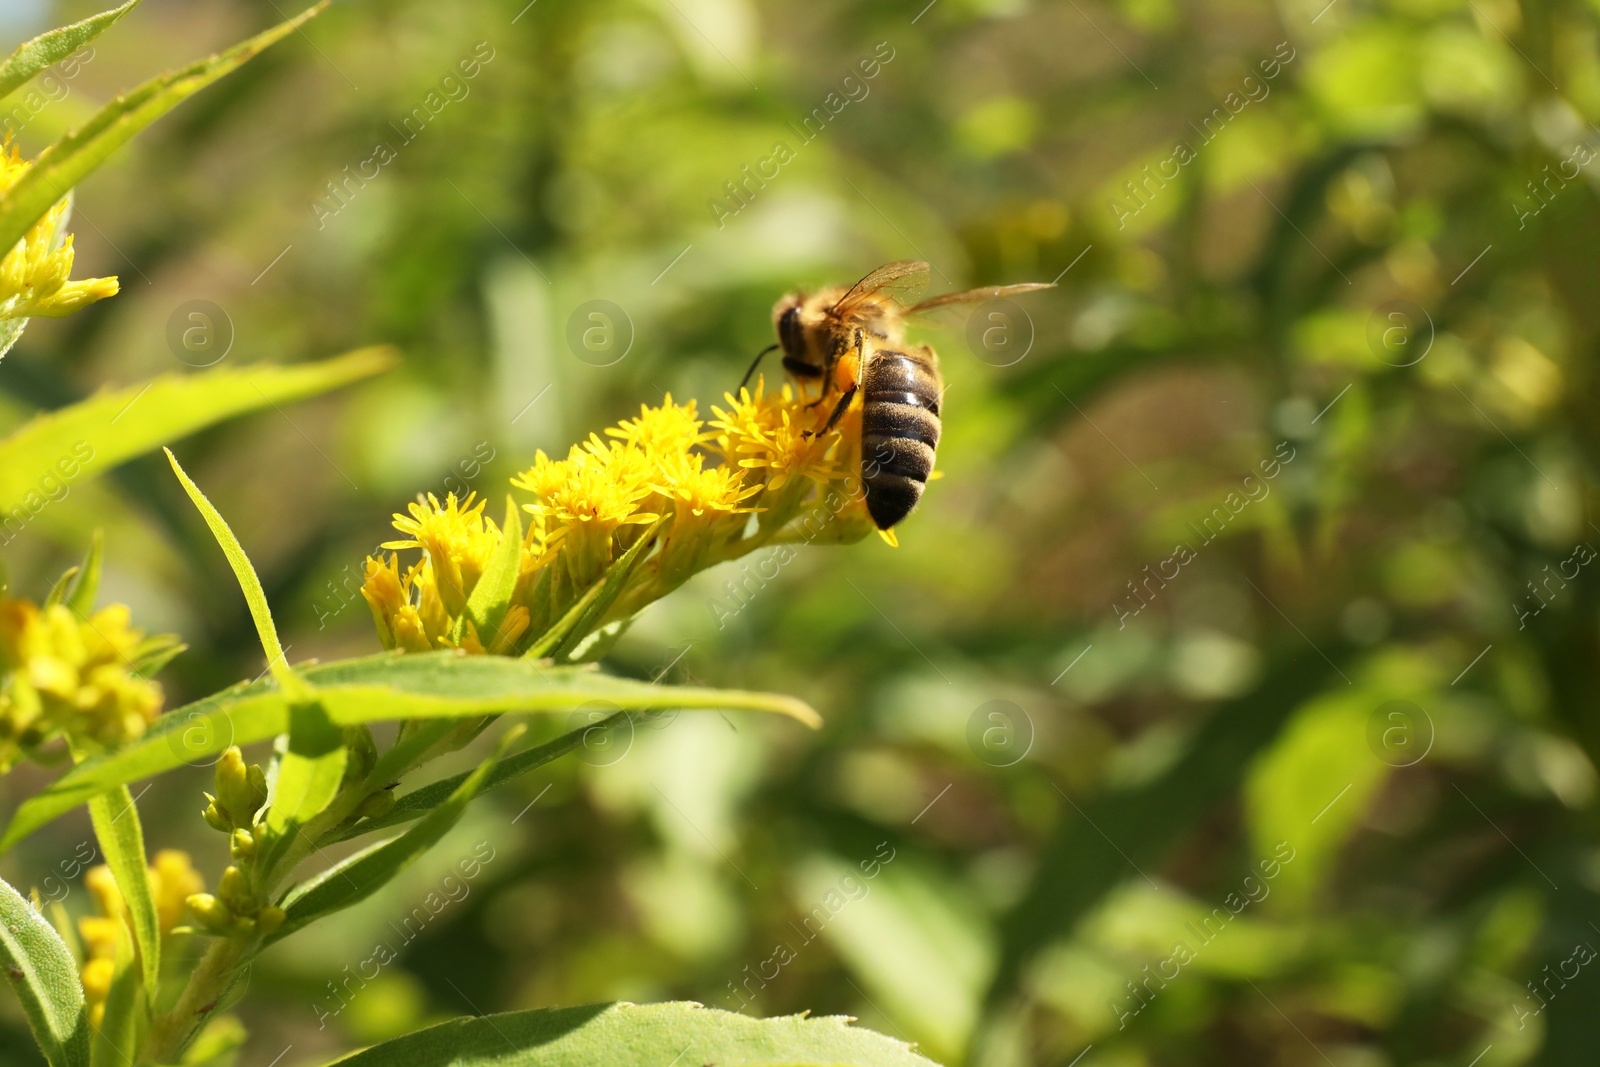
(788, 317)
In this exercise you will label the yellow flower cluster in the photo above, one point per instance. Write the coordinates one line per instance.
(34, 273)
(61, 673)
(172, 880)
(623, 519)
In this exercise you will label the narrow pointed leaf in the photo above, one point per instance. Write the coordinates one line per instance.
(419, 802)
(117, 828)
(58, 591)
(430, 685)
(245, 572)
(491, 597)
(310, 771)
(87, 587)
(642, 1034)
(367, 871)
(79, 153)
(44, 977)
(33, 56)
(89, 438)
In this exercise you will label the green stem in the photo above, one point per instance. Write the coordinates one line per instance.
(170, 1033)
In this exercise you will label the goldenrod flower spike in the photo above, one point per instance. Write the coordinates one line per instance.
(457, 538)
(173, 879)
(659, 495)
(34, 273)
(61, 674)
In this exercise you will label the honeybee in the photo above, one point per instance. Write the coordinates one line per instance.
(852, 341)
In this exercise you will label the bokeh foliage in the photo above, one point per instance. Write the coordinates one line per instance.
(1216, 317)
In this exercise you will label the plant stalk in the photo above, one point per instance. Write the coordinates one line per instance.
(170, 1033)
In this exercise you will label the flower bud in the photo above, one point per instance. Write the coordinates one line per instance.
(241, 845)
(234, 889)
(268, 919)
(363, 754)
(215, 817)
(377, 805)
(212, 913)
(237, 792)
(258, 784)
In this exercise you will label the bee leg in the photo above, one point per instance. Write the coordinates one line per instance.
(756, 363)
(827, 376)
(838, 413)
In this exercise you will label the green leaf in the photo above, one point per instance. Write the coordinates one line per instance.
(310, 771)
(87, 587)
(115, 1039)
(78, 586)
(646, 1035)
(154, 653)
(245, 572)
(10, 334)
(363, 874)
(121, 837)
(389, 686)
(1077, 867)
(96, 434)
(47, 48)
(44, 976)
(490, 598)
(312, 767)
(218, 1044)
(1312, 788)
(79, 153)
(58, 590)
(419, 802)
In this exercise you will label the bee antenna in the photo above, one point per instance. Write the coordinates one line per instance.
(756, 363)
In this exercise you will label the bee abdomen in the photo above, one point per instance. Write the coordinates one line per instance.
(899, 432)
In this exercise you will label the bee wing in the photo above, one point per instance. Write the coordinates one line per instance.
(978, 296)
(902, 281)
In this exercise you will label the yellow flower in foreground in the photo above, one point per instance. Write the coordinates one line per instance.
(457, 538)
(707, 508)
(34, 273)
(64, 674)
(621, 521)
(660, 431)
(172, 879)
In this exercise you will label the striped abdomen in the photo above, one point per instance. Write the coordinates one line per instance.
(899, 431)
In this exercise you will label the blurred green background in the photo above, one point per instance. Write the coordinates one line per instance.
(1326, 322)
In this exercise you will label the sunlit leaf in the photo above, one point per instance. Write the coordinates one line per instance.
(363, 874)
(642, 1034)
(87, 586)
(435, 685)
(69, 160)
(419, 802)
(490, 598)
(95, 435)
(312, 767)
(121, 837)
(49, 47)
(244, 571)
(1313, 787)
(44, 977)
(1080, 865)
